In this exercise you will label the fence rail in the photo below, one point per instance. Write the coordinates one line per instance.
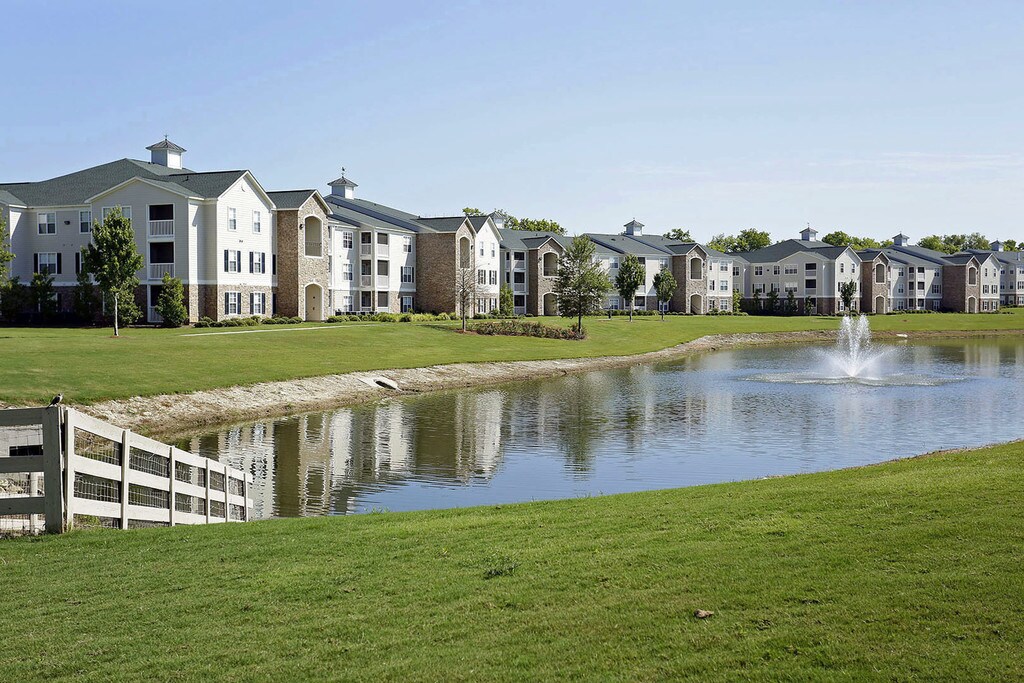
(92, 468)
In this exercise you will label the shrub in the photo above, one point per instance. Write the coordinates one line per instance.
(519, 328)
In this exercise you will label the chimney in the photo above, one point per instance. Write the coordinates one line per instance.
(808, 234)
(997, 246)
(634, 228)
(166, 153)
(343, 187)
(901, 240)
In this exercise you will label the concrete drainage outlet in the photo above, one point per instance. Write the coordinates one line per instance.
(381, 382)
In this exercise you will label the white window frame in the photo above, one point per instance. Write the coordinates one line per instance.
(406, 304)
(257, 298)
(234, 256)
(126, 211)
(347, 274)
(232, 219)
(259, 262)
(257, 221)
(408, 274)
(406, 245)
(85, 224)
(234, 299)
(53, 263)
(45, 220)
(346, 239)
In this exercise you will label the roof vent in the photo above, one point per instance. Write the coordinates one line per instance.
(901, 240)
(166, 153)
(343, 187)
(634, 228)
(997, 246)
(808, 234)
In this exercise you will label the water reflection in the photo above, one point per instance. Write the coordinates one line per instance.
(696, 421)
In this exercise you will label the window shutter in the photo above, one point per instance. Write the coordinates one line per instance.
(250, 262)
(35, 263)
(252, 300)
(238, 258)
(59, 268)
(273, 261)
(226, 295)
(78, 262)
(225, 261)
(263, 262)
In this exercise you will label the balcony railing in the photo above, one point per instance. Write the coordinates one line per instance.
(365, 280)
(519, 265)
(383, 281)
(550, 272)
(155, 317)
(161, 228)
(365, 249)
(519, 287)
(314, 249)
(157, 270)
(383, 250)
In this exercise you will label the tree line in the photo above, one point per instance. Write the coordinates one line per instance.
(751, 239)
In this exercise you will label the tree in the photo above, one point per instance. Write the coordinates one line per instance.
(113, 259)
(790, 302)
(977, 241)
(950, 244)
(630, 278)
(772, 301)
(10, 301)
(933, 242)
(472, 211)
(724, 243)
(751, 239)
(1009, 245)
(665, 287)
(43, 297)
(737, 300)
(506, 301)
(465, 284)
(171, 302)
(847, 290)
(6, 255)
(582, 283)
(83, 299)
(537, 224)
(841, 239)
(680, 235)
(755, 301)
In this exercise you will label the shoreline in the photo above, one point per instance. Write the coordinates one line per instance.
(174, 415)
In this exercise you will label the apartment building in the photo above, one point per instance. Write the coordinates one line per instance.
(384, 259)
(810, 270)
(1011, 273)
(238, 249)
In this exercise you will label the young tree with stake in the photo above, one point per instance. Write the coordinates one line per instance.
(629, 279)
(847, 290)
(112, 258)
(581, 283)
(665, 286)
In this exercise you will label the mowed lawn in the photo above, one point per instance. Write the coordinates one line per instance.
(89, 365)
(911, 570)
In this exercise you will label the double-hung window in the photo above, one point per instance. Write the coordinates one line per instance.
(346, 271)
(481, 277)
(232, 303)
(232, 219)
(758, 270)
(257, 303)
(47, 224)
(346, 240)
(408, 274)
(257, 262)
(775, 270)
(406, 245)
(126, 211)
(48, 263)
(492, 277)
(232, 261)
(406, 304)
(84, 221)
(257, 225)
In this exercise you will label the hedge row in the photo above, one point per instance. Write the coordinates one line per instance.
(523, 328)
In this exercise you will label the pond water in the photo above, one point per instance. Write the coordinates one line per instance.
(725, 416)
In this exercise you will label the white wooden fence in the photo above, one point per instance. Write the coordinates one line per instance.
(92, 470)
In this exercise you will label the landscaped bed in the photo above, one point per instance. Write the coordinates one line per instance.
(911, 570)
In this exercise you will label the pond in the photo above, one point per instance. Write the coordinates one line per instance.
(718, 417)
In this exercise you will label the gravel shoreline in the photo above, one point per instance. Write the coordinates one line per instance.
(179, 414)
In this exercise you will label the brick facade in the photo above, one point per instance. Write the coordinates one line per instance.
(540, 284)
(295, 270)
(688, 287)
(437, 258)
(957, 293)
(871, 289)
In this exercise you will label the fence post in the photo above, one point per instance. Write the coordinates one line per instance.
(245, 496)
(170, 455)
(53, 506)
(125, 459)
(227, 493)
(69, 468)
(207, 490)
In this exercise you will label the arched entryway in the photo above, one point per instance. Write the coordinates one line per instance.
(972, 305)
(696, 269)
(314, 303)
(879, 304)
(550, 304)
(696, 303)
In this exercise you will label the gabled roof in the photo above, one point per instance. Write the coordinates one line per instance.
(962, 259)
(929, 255)
(626, 244)
(443, 223)
(294, 199)
(343, 181)
(787, 248)
(75, 189)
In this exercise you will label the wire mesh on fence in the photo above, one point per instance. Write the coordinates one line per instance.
(89, 445)
(94, 522)
(191, 504)
(216, 508)
(97, 488)
(23, 440)
(235, 486)
(145, 524)
(148, 497)
(217, 481)
(144, 461)
(189, 474)
(237, 512)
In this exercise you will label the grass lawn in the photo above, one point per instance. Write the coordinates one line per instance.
(89, 365)
(911, 570)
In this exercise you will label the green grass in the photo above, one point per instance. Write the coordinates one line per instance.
(911, 570)
(89, 365)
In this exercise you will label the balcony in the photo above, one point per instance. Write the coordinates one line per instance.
(154, 317)
(157, 270)
(365, 280)
(161, 228)
(365, 249)
(314, 248)
(383, 250)
(383, 281)
(519, 287)
(519, 265)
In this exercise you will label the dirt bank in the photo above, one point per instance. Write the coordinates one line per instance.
(181, 413)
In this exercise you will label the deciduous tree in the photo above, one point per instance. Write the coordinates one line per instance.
(630, 278)
(113, 259)
(665, 287)
(679, 234)
(581, 283)
(171, 302)
(847, 290)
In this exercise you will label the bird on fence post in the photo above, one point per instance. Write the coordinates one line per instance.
(56, 400)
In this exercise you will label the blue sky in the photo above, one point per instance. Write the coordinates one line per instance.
(872, 117)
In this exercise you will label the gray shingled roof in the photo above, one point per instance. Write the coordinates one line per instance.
(290, 199)
(443, 223)
(76, 188)
(168, 145)
(786, 248)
